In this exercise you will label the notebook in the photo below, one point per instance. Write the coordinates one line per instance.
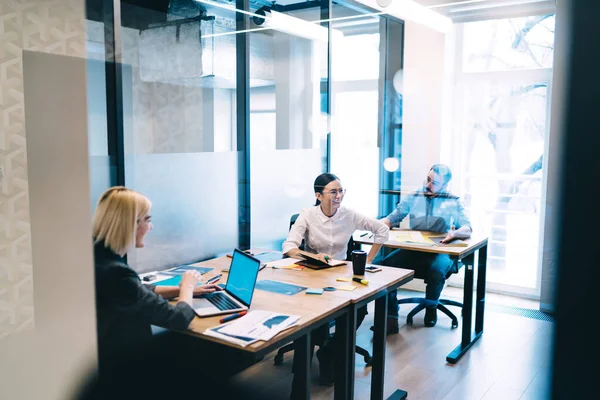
(238, 291)
(312, 261)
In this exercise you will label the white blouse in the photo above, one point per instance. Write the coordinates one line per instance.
(330, 235)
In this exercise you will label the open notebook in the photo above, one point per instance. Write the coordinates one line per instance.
(312, 261)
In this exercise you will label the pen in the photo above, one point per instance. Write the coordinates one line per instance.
(364, 234)
(359, 280)
(214, 279)
(233, 316)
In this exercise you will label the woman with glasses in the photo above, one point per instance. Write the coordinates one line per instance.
(125, 307)
(326, 229)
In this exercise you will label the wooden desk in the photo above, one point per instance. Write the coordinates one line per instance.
(380, 284)
(310, 308)
(466, 255)
(315, 311)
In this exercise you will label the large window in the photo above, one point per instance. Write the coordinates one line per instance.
(504, 90)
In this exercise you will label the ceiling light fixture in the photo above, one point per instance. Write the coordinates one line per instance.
(293, 26)
(408, 10)
(269, 19)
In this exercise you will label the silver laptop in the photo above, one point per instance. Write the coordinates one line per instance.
(238, 291)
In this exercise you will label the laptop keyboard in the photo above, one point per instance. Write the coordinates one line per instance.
(222, 302)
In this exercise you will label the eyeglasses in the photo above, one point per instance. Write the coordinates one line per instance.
(146, 219)
(336, 192)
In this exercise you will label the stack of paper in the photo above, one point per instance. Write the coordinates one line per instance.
(409, 237)
(285, 263)
(254, 326)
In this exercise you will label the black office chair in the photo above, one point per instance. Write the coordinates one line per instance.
(278, 359)
(442, 303)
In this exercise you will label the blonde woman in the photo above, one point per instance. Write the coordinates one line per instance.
(125, 307)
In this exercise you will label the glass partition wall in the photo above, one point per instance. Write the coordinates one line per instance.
(288, 128)
(224, 112)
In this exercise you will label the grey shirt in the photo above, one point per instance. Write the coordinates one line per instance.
(434, 214)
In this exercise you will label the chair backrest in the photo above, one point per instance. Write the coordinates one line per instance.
(351, 244)
(292, 222)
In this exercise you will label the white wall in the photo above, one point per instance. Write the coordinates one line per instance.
(47, 312)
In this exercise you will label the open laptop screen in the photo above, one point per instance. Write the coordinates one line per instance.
(242, 276)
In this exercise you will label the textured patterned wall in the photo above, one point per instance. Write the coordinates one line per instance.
(51, 26)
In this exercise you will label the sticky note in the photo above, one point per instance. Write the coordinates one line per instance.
(349, 288)
(314, 291)
(344, 279)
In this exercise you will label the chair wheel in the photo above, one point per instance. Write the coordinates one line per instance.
(278, 359)
(368, 360)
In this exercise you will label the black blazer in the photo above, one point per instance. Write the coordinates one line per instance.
(126, 308)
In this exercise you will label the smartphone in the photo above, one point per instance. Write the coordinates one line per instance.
(372, 268)
(149, 278)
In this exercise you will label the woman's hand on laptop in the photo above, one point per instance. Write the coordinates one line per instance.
(187, 285)
(190, 279)
(206, 289)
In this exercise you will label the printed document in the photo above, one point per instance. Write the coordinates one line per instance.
(260, 325)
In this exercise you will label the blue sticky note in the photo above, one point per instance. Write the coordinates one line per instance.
(314, 291)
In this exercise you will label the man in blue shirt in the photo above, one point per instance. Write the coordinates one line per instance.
(431, 208)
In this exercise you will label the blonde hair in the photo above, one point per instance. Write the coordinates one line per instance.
(116, 218)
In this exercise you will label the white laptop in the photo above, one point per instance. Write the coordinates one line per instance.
(238, 291)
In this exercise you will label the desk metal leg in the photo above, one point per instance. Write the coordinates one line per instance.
(343, 368)
(467, 326)
(350, 352)
(301, 384)
(378, 370)
(481, 277)
(379, 343)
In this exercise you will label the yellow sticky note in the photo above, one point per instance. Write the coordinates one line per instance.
(347, 287)
(343, 279)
